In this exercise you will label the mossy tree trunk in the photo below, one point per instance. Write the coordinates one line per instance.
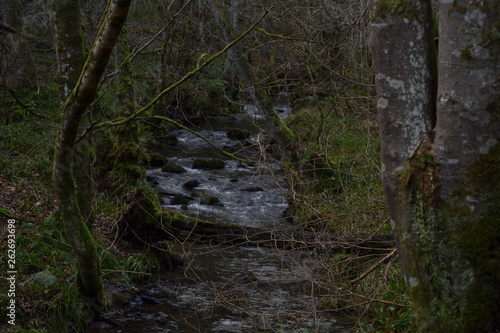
(441, 155)
(127, 152)
(71, 50)
(77, 233)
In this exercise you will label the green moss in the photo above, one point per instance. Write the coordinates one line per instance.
(143, 221)
(238, 134)
(466, 54)
(127, 162)
(156, 160)
(172, 168)
(429, 249)
(477, 213)
(463, 296)
(419, 177)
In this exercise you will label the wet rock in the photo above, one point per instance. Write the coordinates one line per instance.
(152, 180)
(119, 300)
(167, 139)
(252, 189)
(208, 164)
(238, 134)
(179, 199)
(190, 184)
(150, 300)
(156, 160)
(172, 168)
(209, 200)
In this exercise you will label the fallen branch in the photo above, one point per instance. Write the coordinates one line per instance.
(288, 238)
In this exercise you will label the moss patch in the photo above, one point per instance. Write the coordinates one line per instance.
(238, 134)
(454, 245)
(141, 223)
(477, 212)
(172, 168)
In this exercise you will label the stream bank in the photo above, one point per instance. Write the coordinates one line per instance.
(226, 288)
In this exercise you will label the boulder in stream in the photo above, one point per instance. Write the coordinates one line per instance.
(238, 134)
(190, 184)
(172, 168)
(208, 164)
(179, 199)
(252, 189)
(210, 200)
(156, 160)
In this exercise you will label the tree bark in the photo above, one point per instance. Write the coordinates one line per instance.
(71, 51)
(77, 232)
(402, 60)
(440, 156)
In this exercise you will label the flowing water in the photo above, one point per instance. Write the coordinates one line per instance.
(231, 289)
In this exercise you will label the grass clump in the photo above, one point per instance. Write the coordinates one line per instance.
(340, 185)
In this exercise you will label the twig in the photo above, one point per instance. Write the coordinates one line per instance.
(190, 74)
(373, 267)
(225, 153)
(8, 28)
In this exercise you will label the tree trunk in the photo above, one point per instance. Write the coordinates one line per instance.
(71, 53)
(125, 91)
(440, 157)
(77, 232)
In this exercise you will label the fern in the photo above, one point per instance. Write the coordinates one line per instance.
(44, 278)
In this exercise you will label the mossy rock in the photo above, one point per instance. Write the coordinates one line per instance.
(172, 168)
(156, 160)
(130, 153)
(208, 164)
(139, 224)
(210, 200)
(179, 199)
(167, 139)
(238, 134)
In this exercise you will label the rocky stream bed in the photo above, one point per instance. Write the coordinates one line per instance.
(226, 288)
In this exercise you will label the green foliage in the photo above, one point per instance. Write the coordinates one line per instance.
(26, 145)
(339, 157)
(139, 265)
(44, 296)
(340, 190)
(44, 278)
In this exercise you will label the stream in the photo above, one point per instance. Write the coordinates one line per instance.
(233, 289)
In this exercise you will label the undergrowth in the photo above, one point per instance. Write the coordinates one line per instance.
(47, 298)
(339, 185)
(338, 189)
